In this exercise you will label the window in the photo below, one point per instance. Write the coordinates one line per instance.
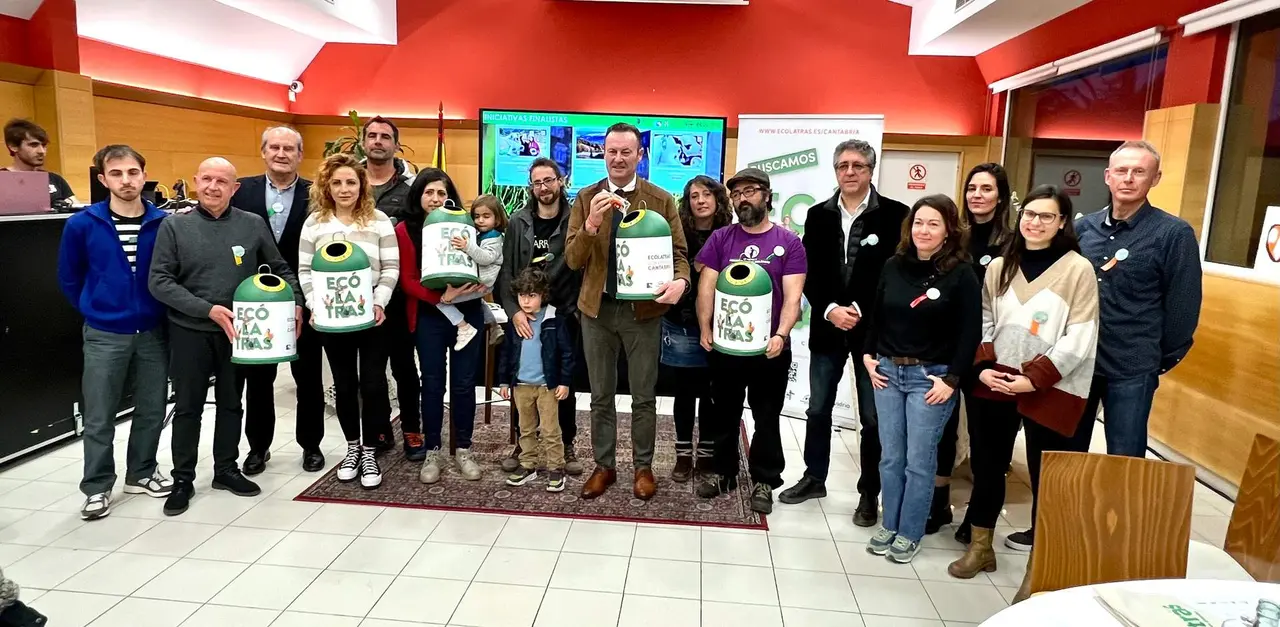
(1248, 178)
(1062, 130)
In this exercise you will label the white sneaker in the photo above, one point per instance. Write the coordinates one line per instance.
(349, 469)
(465, 335)
(468, 467)
(157, 485)
(370, 473)
(96, 506)
(430, 472)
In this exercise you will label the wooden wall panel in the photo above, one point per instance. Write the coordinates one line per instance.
(1185, 137)
(17, 100)
(1227, 390)
(175, 140)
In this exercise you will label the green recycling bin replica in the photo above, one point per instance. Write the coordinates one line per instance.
(442, 264)
(341, 288)
(645, 258)
(266, 321)
(743, 310)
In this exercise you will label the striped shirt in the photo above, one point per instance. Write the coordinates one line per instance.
(377, 240)
(127, 230)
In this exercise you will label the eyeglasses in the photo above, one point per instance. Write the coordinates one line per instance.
(846, 166)
(547, 182)
(744, 192)
(1043, 218)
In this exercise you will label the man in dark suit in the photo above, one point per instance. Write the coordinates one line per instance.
(847, 239)
(280, 197)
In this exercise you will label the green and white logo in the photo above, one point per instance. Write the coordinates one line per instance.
(788, 163)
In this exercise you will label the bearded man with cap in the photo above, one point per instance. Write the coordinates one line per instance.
(761, 380)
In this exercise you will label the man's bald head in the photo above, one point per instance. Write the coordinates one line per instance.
(215, 184)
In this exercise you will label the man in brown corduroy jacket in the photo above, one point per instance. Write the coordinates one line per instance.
(610, 325)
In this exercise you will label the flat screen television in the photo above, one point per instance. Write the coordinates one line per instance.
(675, 149)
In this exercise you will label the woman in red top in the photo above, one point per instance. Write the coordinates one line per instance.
(435, 335)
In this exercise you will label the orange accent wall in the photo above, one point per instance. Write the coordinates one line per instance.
(774, 56)
(52, 41)
(13, 40)
(1094, 24)
(123, 66)
(1199, 63)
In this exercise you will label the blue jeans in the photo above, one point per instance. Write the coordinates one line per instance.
(1126, 406)
(435, 336)
(909, 433)
(825, 370)
(681, 346)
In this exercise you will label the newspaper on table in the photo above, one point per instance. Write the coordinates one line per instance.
(1140, 609)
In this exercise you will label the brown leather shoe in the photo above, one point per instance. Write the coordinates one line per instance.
(644, 486)
(601, 479)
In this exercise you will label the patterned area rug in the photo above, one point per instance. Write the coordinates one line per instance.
(674, 503)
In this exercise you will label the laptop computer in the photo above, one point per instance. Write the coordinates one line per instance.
(23, 193)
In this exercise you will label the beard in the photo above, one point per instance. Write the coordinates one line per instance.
(548, 198)
(750, 215)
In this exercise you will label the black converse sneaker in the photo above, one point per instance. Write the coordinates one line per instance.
(370, 473)
(349, 469)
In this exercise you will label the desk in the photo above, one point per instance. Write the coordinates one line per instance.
(1079, 607)
(40, 342)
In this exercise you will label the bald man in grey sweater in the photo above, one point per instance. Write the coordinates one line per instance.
(200, 258)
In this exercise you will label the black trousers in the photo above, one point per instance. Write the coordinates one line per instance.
(993, 429)
(568, 408)
(400, 347)
(260, 394)
(825, 370)
(693, 403)
(1041, 439)
(194, 357)
(359, 368)
(762, 383)
(950, 435)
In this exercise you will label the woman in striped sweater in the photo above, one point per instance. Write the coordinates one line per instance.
(1035, 363)
(342, 208)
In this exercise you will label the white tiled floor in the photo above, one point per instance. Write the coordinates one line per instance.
(271, 562)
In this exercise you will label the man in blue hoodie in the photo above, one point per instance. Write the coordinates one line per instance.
(103, 268)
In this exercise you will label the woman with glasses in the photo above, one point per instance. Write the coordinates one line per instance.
(923, 329)
(436, 336)
(703, 208)
(1035, 364)
(986, 206)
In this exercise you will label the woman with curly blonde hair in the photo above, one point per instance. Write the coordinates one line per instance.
(342, 208)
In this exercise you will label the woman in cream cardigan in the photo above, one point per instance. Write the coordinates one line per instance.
(1035, 363)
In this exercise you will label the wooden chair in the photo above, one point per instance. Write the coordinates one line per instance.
(1253, 535)
(1103, 518)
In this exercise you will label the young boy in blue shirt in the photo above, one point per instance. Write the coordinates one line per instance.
(535, 374)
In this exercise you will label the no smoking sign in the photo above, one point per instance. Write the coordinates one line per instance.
(918, 174)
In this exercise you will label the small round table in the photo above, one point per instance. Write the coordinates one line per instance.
(1079, 607)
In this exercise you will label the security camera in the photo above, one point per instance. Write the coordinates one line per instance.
(295, 87)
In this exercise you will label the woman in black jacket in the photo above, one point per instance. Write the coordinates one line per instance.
(704, 207)
(923, 330)
(986, 211)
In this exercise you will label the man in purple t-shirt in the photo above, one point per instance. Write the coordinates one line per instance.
(759, 379)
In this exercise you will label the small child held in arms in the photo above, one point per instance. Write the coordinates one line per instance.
(536, 374)
(486, 250)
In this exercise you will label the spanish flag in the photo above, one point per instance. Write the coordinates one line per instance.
(438, 161)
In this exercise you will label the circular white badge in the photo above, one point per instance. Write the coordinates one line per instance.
(779, 250)
(933, 293)
(1079, 215)
(871, 240)
(1122, 254)
(986, 259)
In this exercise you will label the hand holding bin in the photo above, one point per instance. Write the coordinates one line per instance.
(442, 264)
(341, 288)
(265, 319)
(645, 256)
(743, 316)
